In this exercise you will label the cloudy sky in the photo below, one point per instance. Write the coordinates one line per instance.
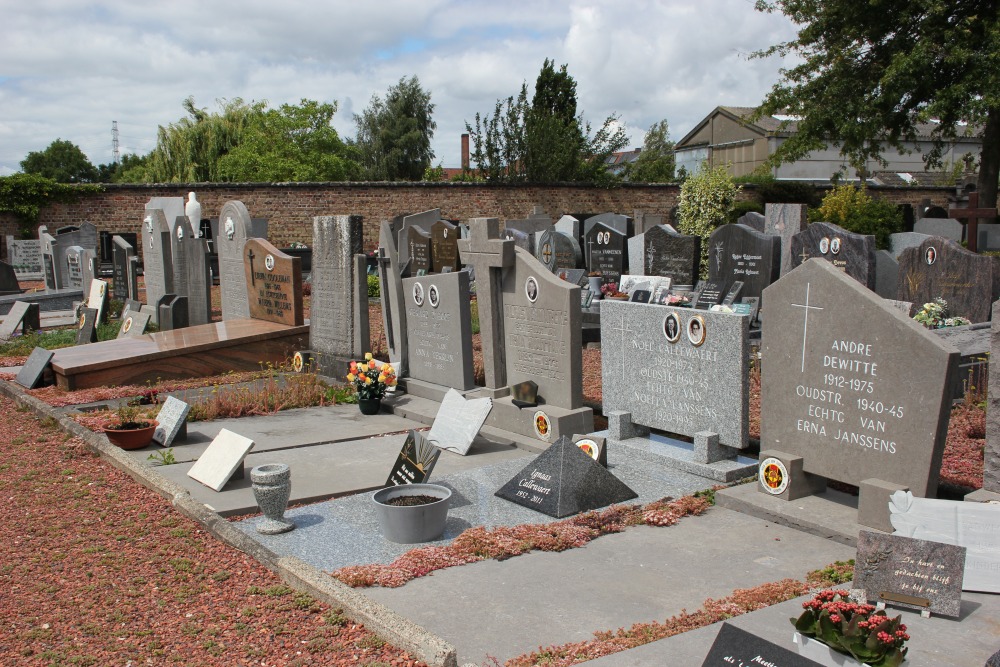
(68, 68)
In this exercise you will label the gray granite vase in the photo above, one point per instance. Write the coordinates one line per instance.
(272, 485)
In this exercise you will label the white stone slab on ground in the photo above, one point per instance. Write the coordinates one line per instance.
(222, 458)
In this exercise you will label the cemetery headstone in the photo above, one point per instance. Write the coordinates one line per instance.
(675, 256)
(458, 421)
(86, 331)
(339, 328)
(235, 228)
(948, 228)
(172, 312)
(854, 254)
(711, 294)
(444, 246)
(32, 373)
(569, 226)
(274, 284)
(606, 252)
(221, 460)
(49, 266)
(910, 573)
(991, 456)
(855, 402)
(942, 268)
(616, 221)
(557, 251)
(171, 422)
(886, 275)
(735, 289)
(25, 256)
(157, 260)
(418, 242)
(737, 252)
(903, 240)
(124, 282)
(424, 220)
(563, 481)
(415, 461)
(192, 271)
(785, 221)
(97, 298)
(520, 239)
(989, 237)
(391, 295)
(172, 207)
(735, 647)
(439, 329)
(8, 280)
(89, 267)
(22, 314)
(133, 324)
(754, 220)
(74, 267)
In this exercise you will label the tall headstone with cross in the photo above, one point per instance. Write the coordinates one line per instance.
(125, 279)
(157, 260)
(235, 227)
(192, 271)
(851, 389)
(972, 215)
(391, 294)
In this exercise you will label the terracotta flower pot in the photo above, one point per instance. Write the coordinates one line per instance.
(135, 438)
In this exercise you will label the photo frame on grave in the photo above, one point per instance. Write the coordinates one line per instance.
(433, 297)
(931, 255)
(824, 245)
(531, 288)
(835, 245)
(672, 327)
(418, 294)
(696, 331)
(542, 425)
(640, 296)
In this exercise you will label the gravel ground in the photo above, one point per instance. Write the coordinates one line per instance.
(98, 570)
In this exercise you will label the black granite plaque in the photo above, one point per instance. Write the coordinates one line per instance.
(734, 647)
(711, 294)
(444, 246)
(994, 660)
(910, 573)
(87, 326)
(942, 268)
(852, 253)
(419, 243)
(606, 252)
(735, 289)
(640, 296)
(737, 252)
(675, 256)
(563, 481)
(33, 371)
(415, 461)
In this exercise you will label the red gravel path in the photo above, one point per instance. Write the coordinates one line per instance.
(97, 570)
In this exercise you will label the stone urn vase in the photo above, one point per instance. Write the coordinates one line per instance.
(272, 486)
(131, 438)
(369, 406)
(412, 523)
(595, 286)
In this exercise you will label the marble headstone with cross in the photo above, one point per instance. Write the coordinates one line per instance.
(191, 271)
(274, 283)
(853, 390)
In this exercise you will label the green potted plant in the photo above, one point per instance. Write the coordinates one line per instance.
(833, 630)
(371, 380)
(127, 429)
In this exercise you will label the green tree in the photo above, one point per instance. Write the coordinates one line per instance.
(114, 172)
(870, 72)
(394, 135)
(498, 140)
(293, 143)
(62, 161)
(655, 163)
(705, 200)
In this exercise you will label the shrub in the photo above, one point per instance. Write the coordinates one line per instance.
(788, 192)
(856, 211)
(705, 201)
(741, 208)
(373, 288)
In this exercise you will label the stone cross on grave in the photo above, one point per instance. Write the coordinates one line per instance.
(489, 255)
(972, 216)
(547, 252)
(383, 268)
(804, 255)
(623, 329)
(805, 324)
(250, 256)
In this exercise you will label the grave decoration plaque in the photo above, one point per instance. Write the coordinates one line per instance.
(439, 329)
(941, 268)
(274, 283)
(415, 461)
(735, 647)
(563, 481)
(854, 254)
(134, 324)
(23, 314)
(33, 371)
(640, 296)
(737, 252)
(172, 422)
(223, 458)
(910, 573)
(710, 294)
(458, 421)
(975, 526)
(86, 331)
(444, 246)
(855, 402)
(594, 446)
(524, 394)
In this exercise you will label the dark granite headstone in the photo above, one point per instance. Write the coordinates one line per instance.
(854, 254)
(8, 280)
(87, 327)
(415, 461)
(910, 573)
(125, 282)
(616, 221)
(672, 255)
(557, 251)
(710, 294)
(754, 221)
(737, 252)
(563, 481)
(734, 646)
(606, 252)
(994, 660)
(735, 289)
(173, 312)
(444, 246)
(942, 268)
(419, 244)
(33, 371)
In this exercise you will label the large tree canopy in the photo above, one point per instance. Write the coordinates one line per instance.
(394, 135)
(655, 163)
(62, 161)
(870, 72)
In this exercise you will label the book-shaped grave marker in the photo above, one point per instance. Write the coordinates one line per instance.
(171, 422)
(32, 373)
(458, 421)
(734, 647)
(222, 460)
(415, 461)
(563, 481)
(913, 574)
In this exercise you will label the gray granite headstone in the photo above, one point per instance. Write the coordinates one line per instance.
(854, 254)
(534, 227)
(33, 371)
(886, 274)
(8, 280)
(418, 245)
(84, 236)
(991, 455)
(520, 239)
(172, 421)
(785, 221)
(948, 228)
(134, 324)
(563, 481)
(891, 567)
(235, 227)
(157, 261)
(542, 332)
(89, 267)
(569, 226)
(674, 376)
(123, 280)
(557, 250)
(668, 253)
(753, 220)
(391, 295)
(74, 267)
(424, 221)
(25, 256)
(192, 271)
(605, 251)
(334, 332)
(172, 312)
(737, 252)
(49, 266)
(172, 207)
(439, 329)
(22, 314)
(856, 401)
(458, 421)
(444, 246)
(903, 240)
(988, 237)
(942, 268)
(615, 221)
(86, 331)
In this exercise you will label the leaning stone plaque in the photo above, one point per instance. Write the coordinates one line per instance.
(23, 314)
(458, 421)
(134, 324)
(172, 422)
(33, 371)
(274, 283)
(87, 327)
(415, 461)
(563, 481)
(852, 386)
(909, 573)
(734, 647)
(221, 460)
(26, 258)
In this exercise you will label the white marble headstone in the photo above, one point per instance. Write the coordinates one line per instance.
(221, 460)
(97, 297)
